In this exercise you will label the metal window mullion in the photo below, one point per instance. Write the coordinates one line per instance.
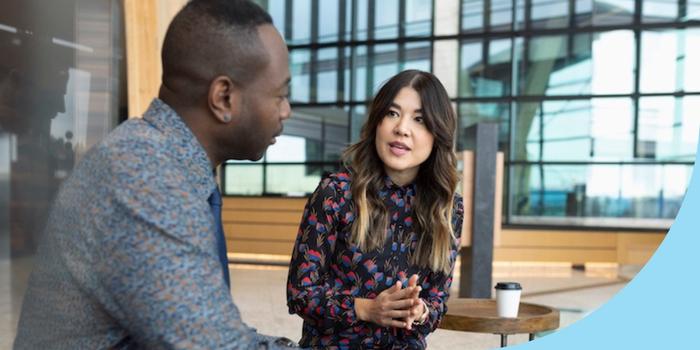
(288, 9)
(402, 33)
(572, 24)
(528, 15)
(637, 77)
(313, 69)
(369, 87)
(340, 68)
(512, 109)
(682, 9)
(432, 32)
(486, 18)
(541, 156)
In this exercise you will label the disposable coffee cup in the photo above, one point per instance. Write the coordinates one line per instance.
(508, 299)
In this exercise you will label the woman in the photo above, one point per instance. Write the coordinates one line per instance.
(373, 260)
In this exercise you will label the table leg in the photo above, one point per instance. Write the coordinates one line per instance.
(504, 340)
(532, 336)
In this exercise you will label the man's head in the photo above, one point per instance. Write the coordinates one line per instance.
(225, 72)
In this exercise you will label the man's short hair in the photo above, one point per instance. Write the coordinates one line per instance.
(209, 38)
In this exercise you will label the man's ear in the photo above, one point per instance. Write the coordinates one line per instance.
(224, 98)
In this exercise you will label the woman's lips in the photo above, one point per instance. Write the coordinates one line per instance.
(398, 148)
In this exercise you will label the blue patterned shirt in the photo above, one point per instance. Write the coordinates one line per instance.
(129, 257)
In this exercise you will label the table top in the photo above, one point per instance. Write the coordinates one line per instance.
(479, 315)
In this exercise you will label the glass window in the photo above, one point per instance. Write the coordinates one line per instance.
(654, 11)
(693, 11)
(597, 190)
(300, 70)
(417, 55)
(419, 14)
(360, 65)
(471, 55)
(386, 19)
(501, 15)
(691, 61)
(386, 64)
(301, 25)
(472, 15)
(574, 130)
(519, 15)
(327, 75)
(604, 12)
(541, 55)
(549, 14)
(601, 63)
(361, 18)
(670, 61)
(243, 179)
(62, 89)
(490, 78)
(311, 134)
(668, 127)
(327, 21)
(471, 113)
(295, 179)
(358, 117)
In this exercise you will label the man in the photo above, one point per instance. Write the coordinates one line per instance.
(133, 257)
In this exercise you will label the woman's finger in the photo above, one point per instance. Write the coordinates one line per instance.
(401, 304)
(394, 323)
(397, 313)
(413, 281)
(406, 293)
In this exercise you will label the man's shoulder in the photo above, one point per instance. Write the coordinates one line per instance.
(133, 136)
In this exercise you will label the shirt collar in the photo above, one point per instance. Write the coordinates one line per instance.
(409, 188)
(184, 145)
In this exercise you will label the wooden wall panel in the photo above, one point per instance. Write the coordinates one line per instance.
(637, 248)
(142, 54)
(145, 22)
(556, 254)
(468, 196)
(261, 225)
(269, 226)
(259, 247)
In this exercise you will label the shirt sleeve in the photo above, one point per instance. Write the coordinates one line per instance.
(310, 292)
(436, 289)
(158, 269)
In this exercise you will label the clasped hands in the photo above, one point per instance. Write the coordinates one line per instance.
(394, 307)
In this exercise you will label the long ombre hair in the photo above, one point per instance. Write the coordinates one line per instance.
(436, 180)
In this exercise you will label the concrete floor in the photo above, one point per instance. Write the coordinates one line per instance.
(259, 292)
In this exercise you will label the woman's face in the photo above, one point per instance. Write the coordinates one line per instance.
(403, 141)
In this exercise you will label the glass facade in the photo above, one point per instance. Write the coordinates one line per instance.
(61, 69)
(596, 100)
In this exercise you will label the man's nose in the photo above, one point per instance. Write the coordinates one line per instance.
(286, 110)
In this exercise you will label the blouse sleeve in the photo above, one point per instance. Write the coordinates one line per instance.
(310, 291)
(436, 289)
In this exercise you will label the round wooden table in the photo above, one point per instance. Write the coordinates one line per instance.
(479, 315)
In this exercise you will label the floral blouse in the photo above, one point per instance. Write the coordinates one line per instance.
(328, 272)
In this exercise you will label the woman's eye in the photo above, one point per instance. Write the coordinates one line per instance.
(393, 114)
(419, 120)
